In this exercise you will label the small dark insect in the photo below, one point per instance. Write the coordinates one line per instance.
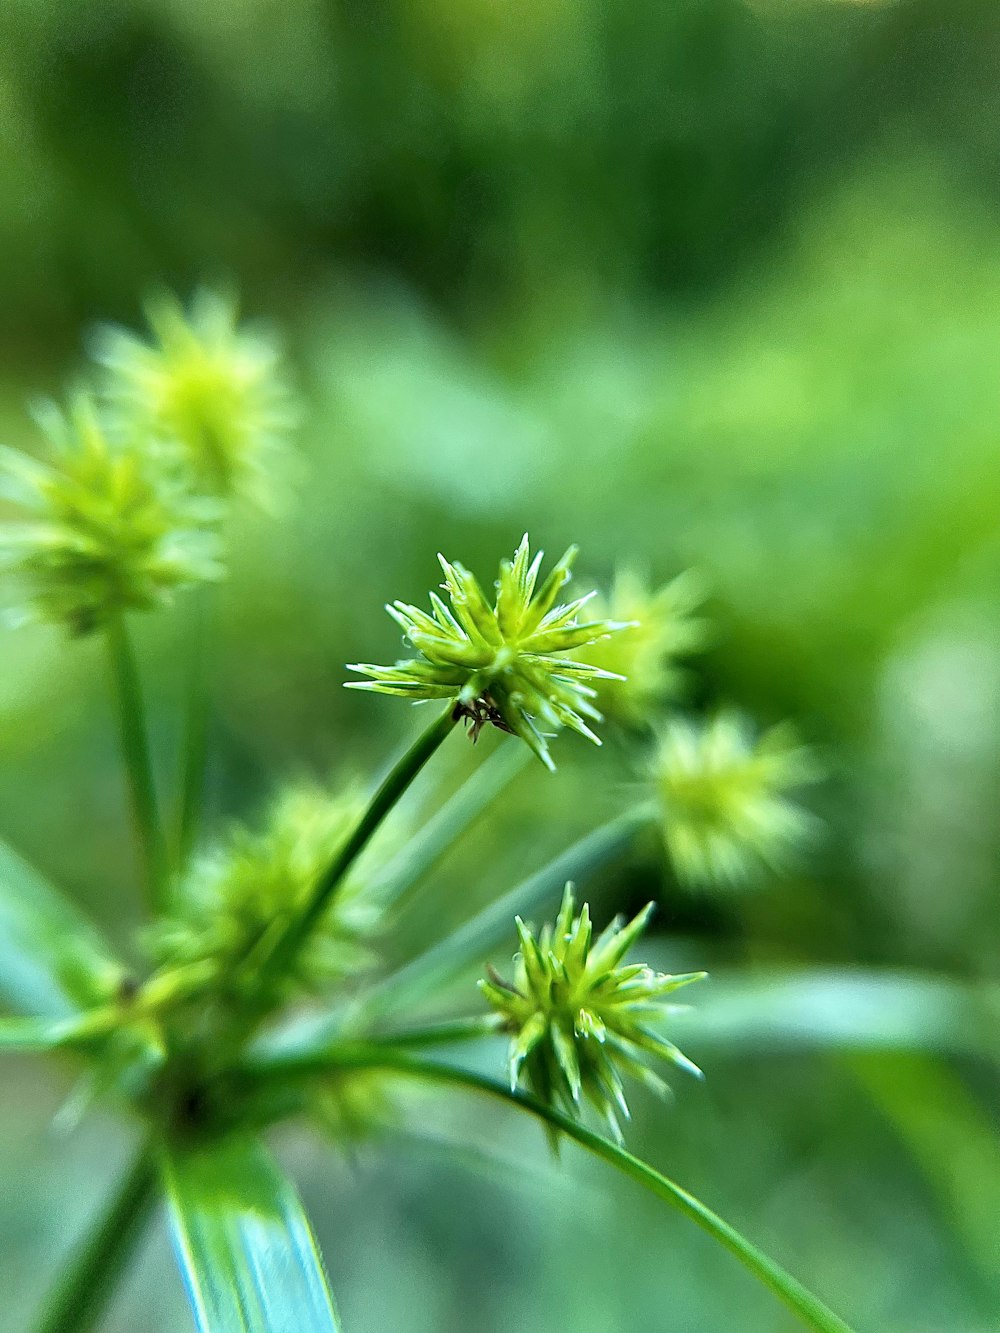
(478, 713)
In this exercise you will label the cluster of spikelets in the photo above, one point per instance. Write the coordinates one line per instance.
(503, 663)
(126, 509)
(240, 895)
(580, 1018)
(105, 529)
(725, 799)
(659, 629)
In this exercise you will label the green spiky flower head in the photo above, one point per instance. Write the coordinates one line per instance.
(104, 526)
(661, 628)
(246, 889)
(725, 798)
(580, 1018)
(503, 663)
(206, 383)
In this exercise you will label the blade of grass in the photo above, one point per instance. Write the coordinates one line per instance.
(78, 1301)
(52, 960)
(809, 1308)
(474, 939)
(244, 1245)
(395, 882)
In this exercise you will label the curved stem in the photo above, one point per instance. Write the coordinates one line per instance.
(77, 1301)
(195, 745)
(389, 792)
(135, 752)
(809, 1308)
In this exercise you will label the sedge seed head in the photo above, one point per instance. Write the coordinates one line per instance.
(580, 1018)
(503, 663)
(725, 797)
(103, 525)
(254, 882)
(206, 383)
(661, 627)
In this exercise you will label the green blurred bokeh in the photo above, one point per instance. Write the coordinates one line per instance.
(711, 283)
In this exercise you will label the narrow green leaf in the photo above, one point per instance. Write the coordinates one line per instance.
(809, 1308)
(848, 1009)
(32, 1034)
(407, 869)
(52, 960)
(473, 940)
(244, 1244)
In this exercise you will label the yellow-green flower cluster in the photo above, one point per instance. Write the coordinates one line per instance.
(206, 384)
(661, 628)
(240, 896)
(580, 1018)
(724, 794)
(503, 663)
(104, 526)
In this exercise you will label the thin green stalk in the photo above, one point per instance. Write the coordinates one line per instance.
(389, 792)
(77, 1301)
(809, 1308)
(138, 763)
(195, 743)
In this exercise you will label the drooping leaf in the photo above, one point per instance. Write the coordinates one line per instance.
(245, 1248)
(52, 960)
(32, 1034)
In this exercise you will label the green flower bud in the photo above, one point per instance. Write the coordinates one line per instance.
(726, 813)
(105, 526)
(503, 663)
(660, 628)
(206, 384)
(580, 1019)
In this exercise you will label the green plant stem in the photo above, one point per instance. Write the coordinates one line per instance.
(809, 1308)
(389, 792)
(76, 1303)
(195, 744)
(138, 763)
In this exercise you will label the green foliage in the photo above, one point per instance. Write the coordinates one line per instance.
(106, 527)
(579, 1018)
(502, 664)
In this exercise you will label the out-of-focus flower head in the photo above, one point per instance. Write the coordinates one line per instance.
(724, 795)
(105, 526)
(580, 1018)
(202, 380)
(247, 889)
(504, 663)
(661, 628)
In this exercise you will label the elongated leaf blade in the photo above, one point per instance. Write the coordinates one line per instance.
(421, 853)
(52, 960)
(31, 1034)
(244, 1245)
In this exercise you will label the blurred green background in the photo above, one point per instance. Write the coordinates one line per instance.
(708, 282)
